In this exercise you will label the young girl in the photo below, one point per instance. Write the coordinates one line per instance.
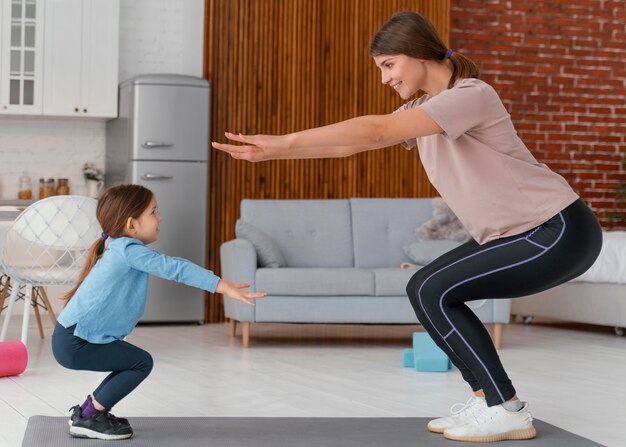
(530, 230)
(108, 300)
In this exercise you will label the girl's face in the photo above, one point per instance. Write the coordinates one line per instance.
(405, 74)
(146, 226)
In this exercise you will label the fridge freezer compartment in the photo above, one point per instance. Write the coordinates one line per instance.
(170, 122)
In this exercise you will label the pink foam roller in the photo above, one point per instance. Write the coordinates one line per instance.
(13, 358)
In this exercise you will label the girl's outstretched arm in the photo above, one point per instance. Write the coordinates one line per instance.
(336, 140)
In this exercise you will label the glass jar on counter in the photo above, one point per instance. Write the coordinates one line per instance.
(25, 191)
(46, 188)
(63, 188)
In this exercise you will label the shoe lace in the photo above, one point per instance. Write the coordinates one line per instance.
(462, 408)
(111, 417)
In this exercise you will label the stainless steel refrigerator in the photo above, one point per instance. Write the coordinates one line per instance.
(160, 140)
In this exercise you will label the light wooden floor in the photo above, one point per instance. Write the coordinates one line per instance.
(572, 378)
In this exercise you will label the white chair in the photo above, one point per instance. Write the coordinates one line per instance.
(46, 245)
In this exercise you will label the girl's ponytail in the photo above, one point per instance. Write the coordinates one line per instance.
(95, 252)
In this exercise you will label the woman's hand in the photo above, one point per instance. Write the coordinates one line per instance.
(255, 147)
(232, 289)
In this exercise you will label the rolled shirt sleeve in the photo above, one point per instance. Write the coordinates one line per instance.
(457, 110)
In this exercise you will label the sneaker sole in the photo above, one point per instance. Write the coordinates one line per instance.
(515, 435)
(81, 432)
(435, 430)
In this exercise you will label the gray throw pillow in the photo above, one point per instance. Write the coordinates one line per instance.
(425, 252)
(267, 252)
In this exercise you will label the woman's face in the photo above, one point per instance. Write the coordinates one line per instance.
(405, 74)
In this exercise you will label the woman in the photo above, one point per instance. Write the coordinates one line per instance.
(530, 230)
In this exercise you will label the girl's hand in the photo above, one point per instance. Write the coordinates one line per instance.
(255, 148)
(232, 289)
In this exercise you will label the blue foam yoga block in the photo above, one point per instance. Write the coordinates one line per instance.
(407, 358)
(427, 356)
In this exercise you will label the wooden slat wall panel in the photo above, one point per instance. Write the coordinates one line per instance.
(278, 66)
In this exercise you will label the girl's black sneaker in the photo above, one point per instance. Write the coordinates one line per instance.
(78, 413)
(102, 425)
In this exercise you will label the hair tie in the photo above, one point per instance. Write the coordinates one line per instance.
(448, 53)
(104, 236)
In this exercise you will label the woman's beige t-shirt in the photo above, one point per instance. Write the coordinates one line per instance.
(480, 166)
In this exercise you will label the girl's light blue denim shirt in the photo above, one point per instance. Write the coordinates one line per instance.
(112, 298)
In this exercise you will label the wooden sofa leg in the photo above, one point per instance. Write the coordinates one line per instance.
(497, 334)
(233, 327)
(245, 330)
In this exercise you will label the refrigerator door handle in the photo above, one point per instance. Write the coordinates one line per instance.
(153, 176)
(155, 144)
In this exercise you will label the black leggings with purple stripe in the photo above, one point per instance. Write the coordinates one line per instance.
(557, 251)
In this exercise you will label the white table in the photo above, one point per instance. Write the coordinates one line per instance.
(4, 227)
(7, 217)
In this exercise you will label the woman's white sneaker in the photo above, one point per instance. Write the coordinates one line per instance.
(459, 415)
(494, 424)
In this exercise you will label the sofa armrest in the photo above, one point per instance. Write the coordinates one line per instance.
(238, 264)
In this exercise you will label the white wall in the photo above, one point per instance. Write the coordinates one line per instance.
(156, 36)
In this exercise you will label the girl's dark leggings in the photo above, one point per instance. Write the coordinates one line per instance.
(557, 251)
(128, 363)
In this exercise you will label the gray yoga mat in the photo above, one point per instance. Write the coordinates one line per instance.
(279, 432)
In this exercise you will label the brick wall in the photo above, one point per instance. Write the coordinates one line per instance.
(560, 69)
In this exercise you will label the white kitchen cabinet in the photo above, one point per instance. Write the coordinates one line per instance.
(81, 48)
(21, 61)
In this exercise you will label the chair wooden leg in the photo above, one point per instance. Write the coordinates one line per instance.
(497, 334)
(245, 330)
(4, 292)
(233, 327)
(46, 301)
(33, 301)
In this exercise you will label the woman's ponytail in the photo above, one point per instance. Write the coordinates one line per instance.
(462, 67)
(95, 252)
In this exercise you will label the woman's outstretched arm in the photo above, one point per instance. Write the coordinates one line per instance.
(336, 140)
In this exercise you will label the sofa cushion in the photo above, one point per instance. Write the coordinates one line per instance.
(309, 233)
(267, 252)
(425, 252)
(392, 281)
(328, 309)
(381, 227)
(315, 281)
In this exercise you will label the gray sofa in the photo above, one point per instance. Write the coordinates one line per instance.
(595, 297)
(342, 258)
